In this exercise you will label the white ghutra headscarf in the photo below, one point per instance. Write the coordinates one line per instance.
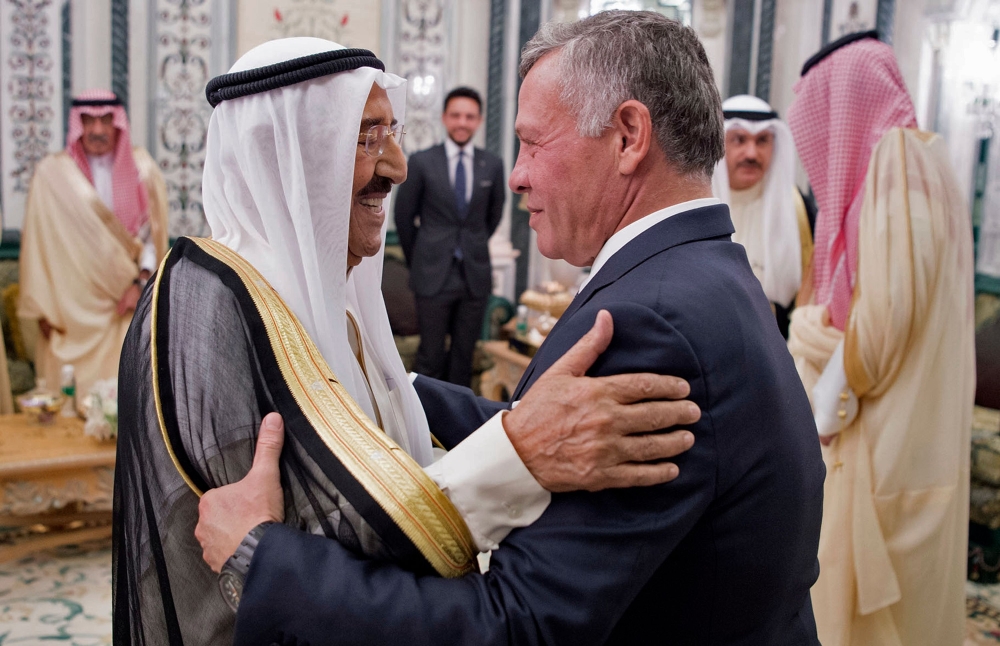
(782, 244)
(277, 190)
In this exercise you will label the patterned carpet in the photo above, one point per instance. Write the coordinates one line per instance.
(61, 596)
(982, 604)
(65, 597)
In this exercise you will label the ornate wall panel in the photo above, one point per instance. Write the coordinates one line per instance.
(848, 17)
(494, 86)
(827, 20)
(67, 62)
(520, 231)
(740, 55)
(30, 96)
(352, 23)
(182, 51)
(422, 57)
(119, 49)
(765, 50)
(884, 18)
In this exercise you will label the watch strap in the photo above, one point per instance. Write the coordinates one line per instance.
(239, 562)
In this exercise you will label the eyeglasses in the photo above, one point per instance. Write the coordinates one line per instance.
(374, 140)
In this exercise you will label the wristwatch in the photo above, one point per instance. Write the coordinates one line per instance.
(234, 572)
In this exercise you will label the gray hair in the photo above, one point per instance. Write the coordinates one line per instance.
(615, 56)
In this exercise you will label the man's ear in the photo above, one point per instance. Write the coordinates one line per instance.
(633, 130)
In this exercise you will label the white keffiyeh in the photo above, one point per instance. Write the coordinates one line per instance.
(277, 190)
(782, 247)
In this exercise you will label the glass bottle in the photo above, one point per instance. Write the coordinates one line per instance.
(69, 391)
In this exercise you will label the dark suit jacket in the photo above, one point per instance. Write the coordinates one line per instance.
(725, 554)
(427, 194)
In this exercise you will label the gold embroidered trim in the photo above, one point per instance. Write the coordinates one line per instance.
(394, 480)
(156, 380)
(805, 235)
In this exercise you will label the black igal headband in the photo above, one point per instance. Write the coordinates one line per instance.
(95, 103)
(834, 46)
(263, 79)
(749, 115)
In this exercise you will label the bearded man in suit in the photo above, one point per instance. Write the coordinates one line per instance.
(455, 192)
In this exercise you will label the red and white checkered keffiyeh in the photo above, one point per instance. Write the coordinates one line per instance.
(130, 197)
(843, 106)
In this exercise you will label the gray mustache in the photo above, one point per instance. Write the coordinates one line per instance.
(378, 184)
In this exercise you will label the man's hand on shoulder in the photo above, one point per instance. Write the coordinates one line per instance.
(577, 432)
(226, 514)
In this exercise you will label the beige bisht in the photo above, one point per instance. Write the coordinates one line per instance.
(893, 544)
(77, 260)
(6, 400)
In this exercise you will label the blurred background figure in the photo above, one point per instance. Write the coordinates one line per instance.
(884, 344)
(94, 231)
(772, 219)
(446, 211)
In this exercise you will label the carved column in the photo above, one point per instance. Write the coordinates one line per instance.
(185, 55)
(423, 47)
(30, 96)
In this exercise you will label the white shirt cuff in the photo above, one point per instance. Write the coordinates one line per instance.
(488, 483)
(834, 403)
(147, 259)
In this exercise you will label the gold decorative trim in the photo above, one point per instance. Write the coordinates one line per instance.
(394, 480)
(156, 381)
(805, 235)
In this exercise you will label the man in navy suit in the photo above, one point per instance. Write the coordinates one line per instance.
(456, 193)
(620, 127)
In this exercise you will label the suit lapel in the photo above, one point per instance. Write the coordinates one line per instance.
(687, 226)
(478, 175)
(440, 162)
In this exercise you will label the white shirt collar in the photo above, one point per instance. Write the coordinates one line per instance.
(101, 172)
(101, 161)
(632, 231)
(451, 148)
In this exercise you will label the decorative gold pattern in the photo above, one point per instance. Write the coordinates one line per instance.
(56, 485)
(396, 482)
(91, 489)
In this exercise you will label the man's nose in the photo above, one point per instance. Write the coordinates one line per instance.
(392, 162)
(518, 180)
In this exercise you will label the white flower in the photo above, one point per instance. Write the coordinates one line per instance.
(102, 411)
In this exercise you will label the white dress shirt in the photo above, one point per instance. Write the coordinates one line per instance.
(632, 231)
(487, 481)
(452, 149)
(102, 170)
